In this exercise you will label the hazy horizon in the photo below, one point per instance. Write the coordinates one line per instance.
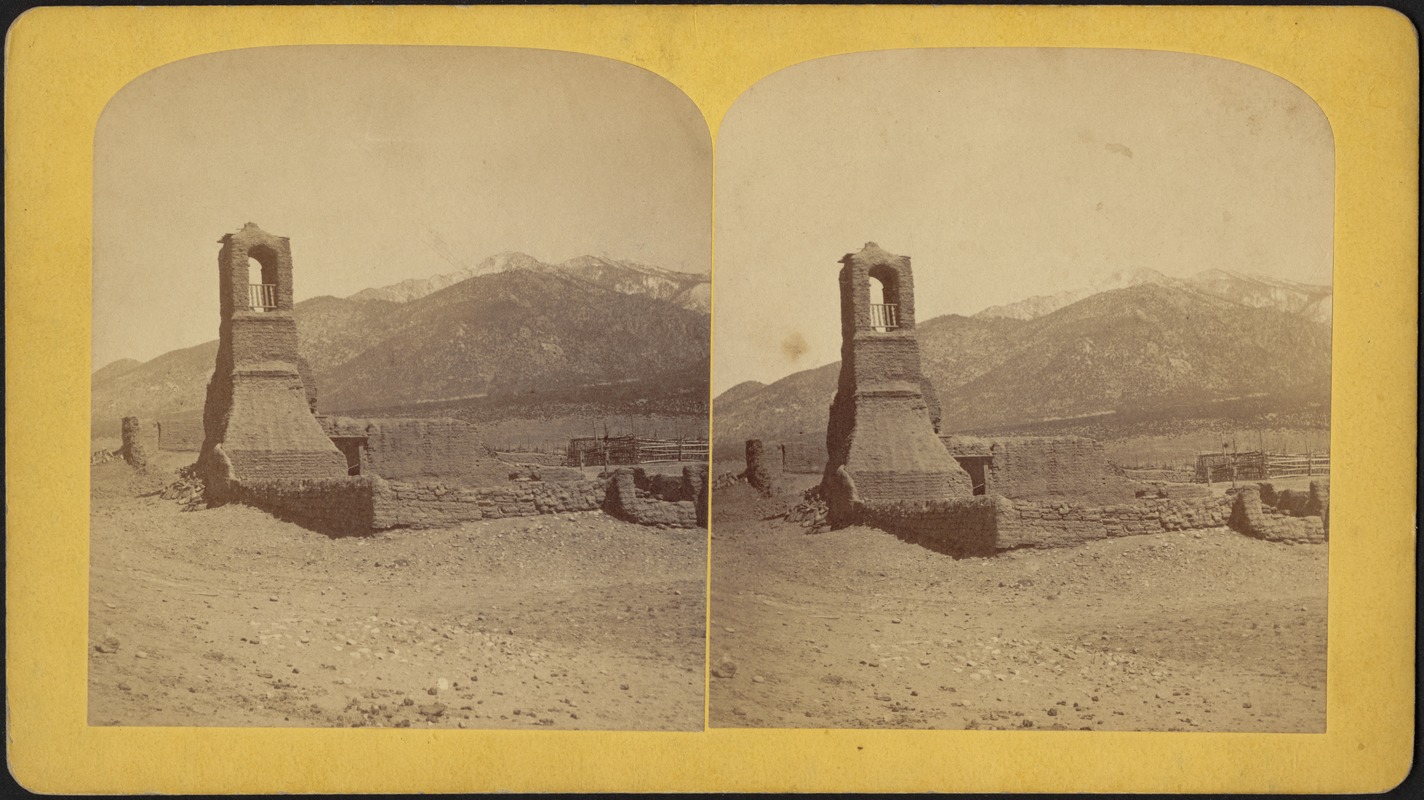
(382, 164)
(1003, 173)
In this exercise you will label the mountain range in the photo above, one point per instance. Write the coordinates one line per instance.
(1308, 300)
(513, 329)
(687, 290)
(1173, 347)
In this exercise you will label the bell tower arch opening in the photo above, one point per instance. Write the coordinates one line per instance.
(261, 278)
(884, 303)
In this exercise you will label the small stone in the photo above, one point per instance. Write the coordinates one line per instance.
(140, 654)
(1028, 723)
(272, 599)
(623, 686)
(758, 679)
(739, 711)
(442, 685)
(895, 621)
(1245, 705)
(432, 711)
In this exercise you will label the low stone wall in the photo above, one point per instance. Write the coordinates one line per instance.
(661, 501)
(334, 506)
(404, 504)
(985, 525)
(1261, 512)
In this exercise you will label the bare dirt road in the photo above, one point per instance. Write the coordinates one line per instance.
(231, 617)
(1197, 631)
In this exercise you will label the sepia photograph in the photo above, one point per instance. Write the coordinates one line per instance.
(399, 394)
(1021, 412)
(656, 398)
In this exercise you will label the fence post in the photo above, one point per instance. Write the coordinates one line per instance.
(1309, 464)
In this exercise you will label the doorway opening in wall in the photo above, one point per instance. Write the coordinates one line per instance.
(351, 447)
(976, 467)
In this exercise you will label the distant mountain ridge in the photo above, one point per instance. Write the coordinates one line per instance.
(684, 289)
(1311, 301)
(1131, 350)
(499, 335)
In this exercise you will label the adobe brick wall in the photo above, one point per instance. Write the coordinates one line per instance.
(417, 449)
(632, 495)
(1249, 515)
(985, 525)
(408, 504)
(1074, 468)
(336, 506)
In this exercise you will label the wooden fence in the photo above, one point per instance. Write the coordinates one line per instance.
(1256, 466)
(633, 450)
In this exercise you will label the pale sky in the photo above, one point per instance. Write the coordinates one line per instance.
(1003, 173)
(362, 156)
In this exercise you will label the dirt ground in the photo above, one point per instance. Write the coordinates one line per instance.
(231, 617)
(1197, 631)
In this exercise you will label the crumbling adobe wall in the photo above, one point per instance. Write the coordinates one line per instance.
(959, 526)
(985, 525)
(335, 506)
(661, 501)
(406, 504)
(763, 470)
(140, 441)
(1074, 468)
(1280, 523)
(444, 450)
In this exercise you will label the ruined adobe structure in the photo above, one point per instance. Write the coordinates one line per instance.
(763, 470)
(257, 421)
(139, 441)
(889, 467)
(265, 445)
(882, 438)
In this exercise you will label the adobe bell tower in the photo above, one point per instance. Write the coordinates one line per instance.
(258, 421)
(882, 437)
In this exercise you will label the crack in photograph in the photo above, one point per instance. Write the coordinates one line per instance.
(445, 463)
